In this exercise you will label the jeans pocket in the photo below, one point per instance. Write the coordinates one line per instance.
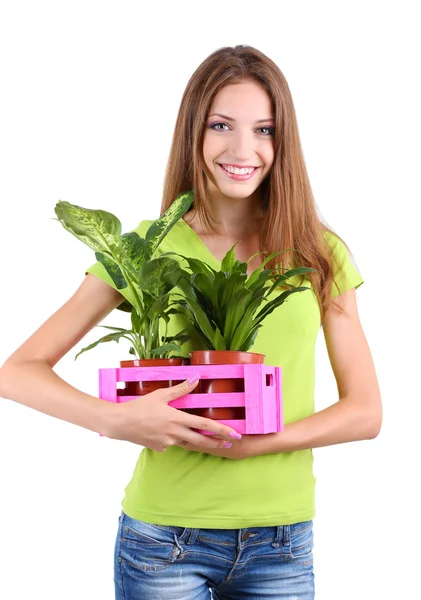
(298, 544)
(148, 547)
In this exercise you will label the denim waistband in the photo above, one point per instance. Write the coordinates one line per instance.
(277, 535)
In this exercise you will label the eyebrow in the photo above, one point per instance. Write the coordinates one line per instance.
(233, 120)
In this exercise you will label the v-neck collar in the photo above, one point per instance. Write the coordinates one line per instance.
(199, 243)
(201, 247)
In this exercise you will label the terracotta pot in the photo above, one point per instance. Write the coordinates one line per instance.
(140, 388)
(223, 357)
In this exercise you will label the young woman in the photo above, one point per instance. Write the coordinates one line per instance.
(203, 517)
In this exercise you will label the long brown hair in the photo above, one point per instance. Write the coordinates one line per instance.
(291, 220)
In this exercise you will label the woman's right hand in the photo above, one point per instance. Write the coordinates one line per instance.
(150, 422)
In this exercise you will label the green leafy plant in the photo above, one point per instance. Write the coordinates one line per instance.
(130, 262)
(226, 308)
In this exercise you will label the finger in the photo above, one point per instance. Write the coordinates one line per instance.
(193, 448)
(185, 387)
(213, 437)
(181, 389)
(191, 437)
(212, 426)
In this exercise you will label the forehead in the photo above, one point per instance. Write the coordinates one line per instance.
(246, 100)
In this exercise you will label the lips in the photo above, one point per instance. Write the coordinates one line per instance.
(236, 176)
(238, 166)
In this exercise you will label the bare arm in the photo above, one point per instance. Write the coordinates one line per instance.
(357, 415)
(27, 377)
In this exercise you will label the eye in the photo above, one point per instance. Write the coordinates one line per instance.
(214, 125)
(217, 126)
(271, 130)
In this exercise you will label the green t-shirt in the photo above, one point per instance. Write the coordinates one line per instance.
(198, 490)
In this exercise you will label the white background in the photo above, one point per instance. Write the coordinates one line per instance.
(89, 96)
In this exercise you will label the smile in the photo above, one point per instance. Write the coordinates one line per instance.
(243, 174)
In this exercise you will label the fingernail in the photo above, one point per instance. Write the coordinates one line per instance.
(194, 379)
(227, 445)
(235, 435)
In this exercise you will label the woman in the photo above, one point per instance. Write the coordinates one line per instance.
(233, 519)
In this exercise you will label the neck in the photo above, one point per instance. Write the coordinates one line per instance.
(235, 217)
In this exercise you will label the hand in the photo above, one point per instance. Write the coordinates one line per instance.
(150, 422)
(248, 446)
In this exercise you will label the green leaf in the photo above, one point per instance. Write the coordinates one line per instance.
(256, 273)
(287, 275)
(171, 311)
(218, 288)
(249, 341)
(111, 337)
(165, 349)
(159, 228)
(98, 229)
(121, 255)
(185, 284)
(135, 320)
(253, 256)
(299, 271)
(264, 277)
(165, 317)
(125, 306)
(113, 270)
(207, 343)
(218, 340)
(198, 317)
(135, 254)
(196, 265)
(234, 285)
(235, 313)
(181, 339)
(180, 334)
(228, 261)
(203, 284)
(115, 328)
(244, 327)
(240, 267)
(158, 276)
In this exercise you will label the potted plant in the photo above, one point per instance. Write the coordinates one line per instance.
(147, 282)
(157, 357)
(226, 308)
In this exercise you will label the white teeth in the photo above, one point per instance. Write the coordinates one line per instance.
(238, 171)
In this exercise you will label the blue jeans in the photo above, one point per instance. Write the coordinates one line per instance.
(159, 562)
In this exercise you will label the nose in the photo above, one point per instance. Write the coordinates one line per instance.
(241, 146)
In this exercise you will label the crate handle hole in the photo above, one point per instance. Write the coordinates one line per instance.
(269, 380)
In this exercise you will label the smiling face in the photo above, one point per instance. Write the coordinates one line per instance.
(238, 146)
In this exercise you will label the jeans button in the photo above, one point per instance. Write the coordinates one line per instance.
(245, 536)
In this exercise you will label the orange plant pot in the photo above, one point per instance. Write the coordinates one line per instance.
(140, 388)
(222, 357)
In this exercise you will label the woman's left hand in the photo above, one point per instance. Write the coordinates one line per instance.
(248, 446)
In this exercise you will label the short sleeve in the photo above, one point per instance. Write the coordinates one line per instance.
(346, 273)
(100, 271)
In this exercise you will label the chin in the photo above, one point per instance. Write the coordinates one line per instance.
(236, 190)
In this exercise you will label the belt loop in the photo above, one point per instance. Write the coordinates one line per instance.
(286, 538)
(278, 536)
(191, 538)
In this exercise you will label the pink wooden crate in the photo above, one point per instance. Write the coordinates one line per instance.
(262, 397)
